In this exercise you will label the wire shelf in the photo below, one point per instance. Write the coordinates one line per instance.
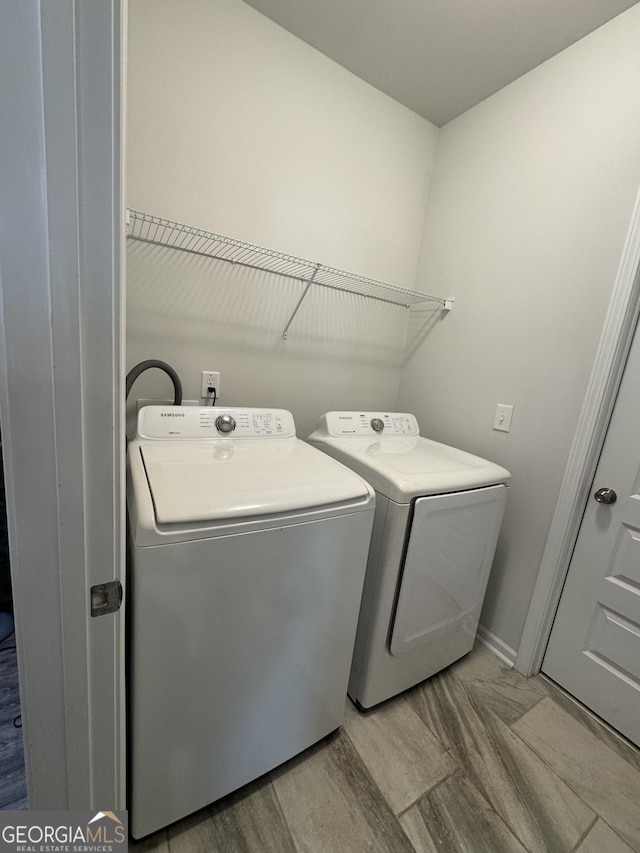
(163, 232)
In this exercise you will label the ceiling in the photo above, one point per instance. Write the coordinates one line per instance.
(440, 57)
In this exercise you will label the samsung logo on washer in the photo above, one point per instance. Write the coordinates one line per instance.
(172, 415)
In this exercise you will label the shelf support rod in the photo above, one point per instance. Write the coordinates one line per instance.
(285, 334)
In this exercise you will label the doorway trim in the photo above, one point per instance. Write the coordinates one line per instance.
(61, 387)
(600, 398)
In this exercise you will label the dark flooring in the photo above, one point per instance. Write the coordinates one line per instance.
(13, 789)
(476, 759)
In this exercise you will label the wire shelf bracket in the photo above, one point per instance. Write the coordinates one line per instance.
(285, 334)
(147, 228)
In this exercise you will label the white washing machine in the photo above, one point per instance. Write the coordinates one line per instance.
(249, 550)
(437, 519)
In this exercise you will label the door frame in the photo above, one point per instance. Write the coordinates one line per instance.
(597, 407)
(61, 387)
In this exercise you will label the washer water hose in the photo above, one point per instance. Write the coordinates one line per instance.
(133, 374)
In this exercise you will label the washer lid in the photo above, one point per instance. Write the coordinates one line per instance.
(405, 467)
(199, 481)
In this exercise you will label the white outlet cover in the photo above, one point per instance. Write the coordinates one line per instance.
(209, 378)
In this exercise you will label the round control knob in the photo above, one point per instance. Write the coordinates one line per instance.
(606, 496)
(225, 423)
(377, 424)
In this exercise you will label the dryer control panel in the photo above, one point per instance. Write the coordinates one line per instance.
(202, 422)
(368, 423)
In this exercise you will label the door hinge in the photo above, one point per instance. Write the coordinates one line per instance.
(106, 598)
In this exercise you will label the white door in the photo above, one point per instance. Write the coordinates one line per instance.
(61, 387)
(594, 648)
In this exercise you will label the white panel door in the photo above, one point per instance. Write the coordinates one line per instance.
(594, 648)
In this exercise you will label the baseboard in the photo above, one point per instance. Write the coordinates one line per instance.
(496, 645)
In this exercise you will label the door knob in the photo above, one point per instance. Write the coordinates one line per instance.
(606, 496)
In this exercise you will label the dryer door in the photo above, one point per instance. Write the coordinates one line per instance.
(451, 546)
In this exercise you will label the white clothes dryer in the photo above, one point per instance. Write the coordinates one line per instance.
(437, 519)
(248, 556)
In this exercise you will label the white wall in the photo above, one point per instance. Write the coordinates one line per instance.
(238, 127)
(528, 210)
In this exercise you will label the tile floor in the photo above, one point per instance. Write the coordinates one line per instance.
(13, 789)
(477, 759)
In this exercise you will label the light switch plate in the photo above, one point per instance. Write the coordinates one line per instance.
(502, 420)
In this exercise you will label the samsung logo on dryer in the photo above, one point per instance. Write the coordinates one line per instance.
(172, 415)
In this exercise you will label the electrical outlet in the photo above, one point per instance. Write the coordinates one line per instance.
(209, 379)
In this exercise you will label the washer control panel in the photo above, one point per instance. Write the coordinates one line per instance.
(202, 422)
(370, 423)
